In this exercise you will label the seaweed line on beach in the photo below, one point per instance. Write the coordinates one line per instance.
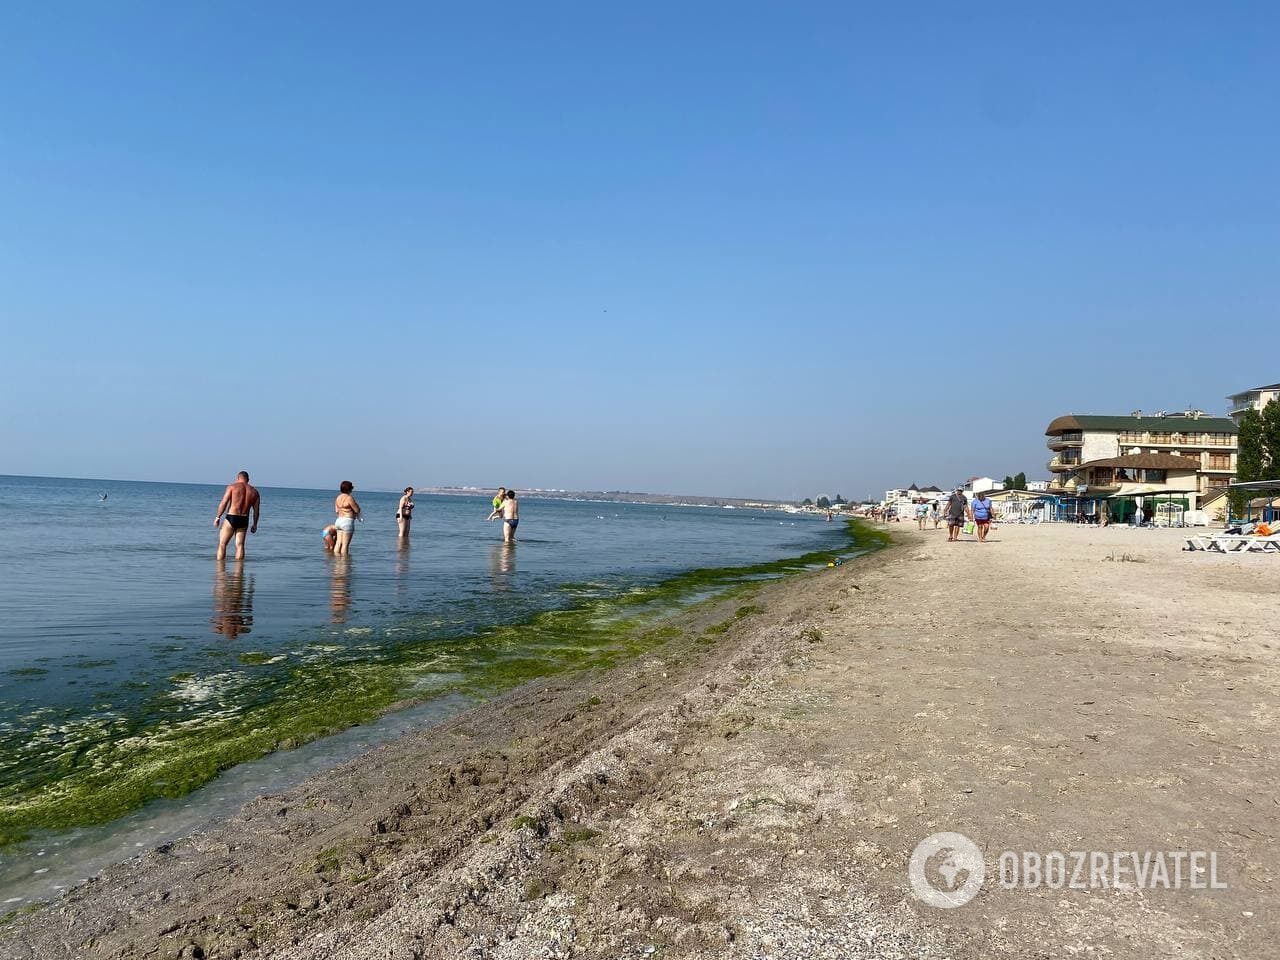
(66, 774)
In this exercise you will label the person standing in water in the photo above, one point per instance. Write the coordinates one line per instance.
(233, 514)
(348, 512)
(510, 511)
(404, 513)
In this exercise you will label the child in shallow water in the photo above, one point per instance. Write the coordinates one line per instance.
(330, 534)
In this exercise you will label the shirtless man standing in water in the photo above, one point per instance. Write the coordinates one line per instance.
(510, 517)
(237, 500)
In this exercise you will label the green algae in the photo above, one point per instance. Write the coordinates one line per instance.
(254, 658)
(83, 771)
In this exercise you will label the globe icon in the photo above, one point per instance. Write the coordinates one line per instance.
(946, 865)
(946, 870)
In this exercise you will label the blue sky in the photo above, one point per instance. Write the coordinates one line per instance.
(753, 249)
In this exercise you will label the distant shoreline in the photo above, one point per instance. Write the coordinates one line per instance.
(593, 496)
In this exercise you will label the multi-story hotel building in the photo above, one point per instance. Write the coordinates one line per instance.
(1254, 399)
(1119, 456)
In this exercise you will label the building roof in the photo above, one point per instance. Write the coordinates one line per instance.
(1242, 393)
(1074, 421)
(1210, 495)
(1145, 461)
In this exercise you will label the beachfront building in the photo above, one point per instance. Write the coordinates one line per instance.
(1177, 457)
(1254, 399)
(981, 485)
(904, 499)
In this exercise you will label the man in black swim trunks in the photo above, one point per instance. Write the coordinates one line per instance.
(510, 517)
(237, 501)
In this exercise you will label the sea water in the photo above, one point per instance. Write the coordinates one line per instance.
(122, 638)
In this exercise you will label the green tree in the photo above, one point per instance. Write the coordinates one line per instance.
(1020, 481)
(824, 503)
(1251, 460)
(1271, 440)
(807, 502)
(1008, 482)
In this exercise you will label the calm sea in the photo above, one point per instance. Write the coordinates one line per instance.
(118, 629)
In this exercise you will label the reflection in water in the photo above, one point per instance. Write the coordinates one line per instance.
(502, 563)
(340, 588)
(402, 566)
(232, 601)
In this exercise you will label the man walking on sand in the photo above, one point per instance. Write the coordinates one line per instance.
(957, 507)
(981, 511)
(233, 514)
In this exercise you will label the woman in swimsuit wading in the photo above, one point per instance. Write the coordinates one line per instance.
(348, 512)
(404, 512)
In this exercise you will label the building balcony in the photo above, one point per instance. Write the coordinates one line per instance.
(1064, 464)
(1064, 441)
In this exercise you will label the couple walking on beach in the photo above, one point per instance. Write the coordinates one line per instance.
(506, 506)
(958, 508)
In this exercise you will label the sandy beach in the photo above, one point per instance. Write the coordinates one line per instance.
(755, 786)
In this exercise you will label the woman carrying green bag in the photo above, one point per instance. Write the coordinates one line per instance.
(980, 512)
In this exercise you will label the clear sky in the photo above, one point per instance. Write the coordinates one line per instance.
(739, 248)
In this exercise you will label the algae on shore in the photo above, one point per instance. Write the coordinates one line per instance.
(104, 766)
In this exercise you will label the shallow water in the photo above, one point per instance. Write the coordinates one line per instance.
(130, 660)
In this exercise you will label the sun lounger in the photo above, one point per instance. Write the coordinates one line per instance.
(1261, 544)
(1234, 543)
(1226, 543)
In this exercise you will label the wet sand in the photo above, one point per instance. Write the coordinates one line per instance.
(755, 786)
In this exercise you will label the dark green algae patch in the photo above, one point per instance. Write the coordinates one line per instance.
(70, 774)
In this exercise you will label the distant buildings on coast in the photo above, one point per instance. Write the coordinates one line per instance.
(1179, 457)
(1162, 466)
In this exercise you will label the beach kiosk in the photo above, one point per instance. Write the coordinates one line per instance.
(1263, 499)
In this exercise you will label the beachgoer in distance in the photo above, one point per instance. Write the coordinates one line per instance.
(510, 511)
(348, 513)
(981, 511)
(237, 501)
(404, 512)
(935, 514)
(957, 507)
(922, 514)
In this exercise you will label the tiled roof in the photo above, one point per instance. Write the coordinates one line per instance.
(1074, 421)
